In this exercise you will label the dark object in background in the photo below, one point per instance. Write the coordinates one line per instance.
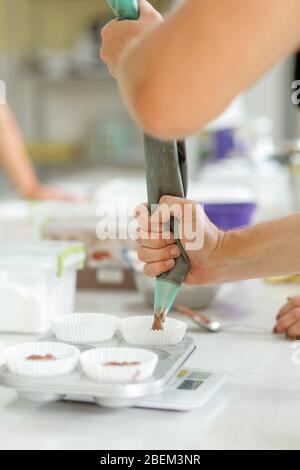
(224, 143)
(229, 216)
(297, 69)
(106, 278)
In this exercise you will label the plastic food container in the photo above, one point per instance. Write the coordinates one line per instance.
(37, 283)
(18, 222)
(84, 327)
(138, 331)
(88, 231)
(66, 359)
(118, 365)
(26, 221)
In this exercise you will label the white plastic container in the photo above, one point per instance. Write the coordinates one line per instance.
(18, 222)
(37, 283)
(25, 221)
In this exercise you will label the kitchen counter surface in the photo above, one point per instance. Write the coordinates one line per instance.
(256, 408)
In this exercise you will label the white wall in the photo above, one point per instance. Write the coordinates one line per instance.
(271, 97)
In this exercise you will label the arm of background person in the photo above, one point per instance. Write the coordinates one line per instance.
(16, 163)
(186, 70)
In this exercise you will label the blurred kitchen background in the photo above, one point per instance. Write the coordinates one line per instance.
(71, 115)
(244, 167)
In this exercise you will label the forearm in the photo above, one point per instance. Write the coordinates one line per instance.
(13, 156)
(185, 71)
(268, 249)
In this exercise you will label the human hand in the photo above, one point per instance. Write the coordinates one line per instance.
(200, 238)
(118, 35)
(288, 318)
(43, 193)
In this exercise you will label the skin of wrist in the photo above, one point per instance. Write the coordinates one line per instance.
(223, 263)
(234, 258)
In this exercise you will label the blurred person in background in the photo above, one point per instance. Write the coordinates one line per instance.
(16, 163)
(175, 77)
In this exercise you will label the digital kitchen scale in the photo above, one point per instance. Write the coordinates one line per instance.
(190, 389)
(171, 386)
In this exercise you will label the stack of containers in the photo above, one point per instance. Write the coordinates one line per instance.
(32, 221)
(88, 223)
(37, 283)
(18, 222)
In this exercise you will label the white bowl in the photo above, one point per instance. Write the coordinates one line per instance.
(67, 359)
(138, 331)
(93, 363)
(84, 327)
(194, 297)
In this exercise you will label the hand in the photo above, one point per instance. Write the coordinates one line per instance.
(118, 35)
(288, 318)
(40, 192)
(200, 238)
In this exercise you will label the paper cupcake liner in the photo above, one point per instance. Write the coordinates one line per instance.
(138, 331)
(84, 327)
(67, 359)
(93, 361)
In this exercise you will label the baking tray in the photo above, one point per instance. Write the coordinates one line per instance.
(78, 385)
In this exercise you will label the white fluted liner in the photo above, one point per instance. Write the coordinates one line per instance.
(67, 359)
(84, 327)
(93, 361)
(138, 331)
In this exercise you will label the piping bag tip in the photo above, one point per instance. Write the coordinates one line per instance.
(164, 296)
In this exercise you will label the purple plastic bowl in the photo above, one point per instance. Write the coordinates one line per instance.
(230, 216)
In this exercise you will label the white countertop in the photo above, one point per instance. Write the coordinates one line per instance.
(256, 408)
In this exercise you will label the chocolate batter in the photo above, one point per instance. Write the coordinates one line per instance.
(121, 364)
(158, 323)
(36, 357)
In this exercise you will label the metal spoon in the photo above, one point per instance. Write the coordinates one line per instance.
(201, 320)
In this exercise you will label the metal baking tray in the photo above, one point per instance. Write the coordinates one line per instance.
(78, 385)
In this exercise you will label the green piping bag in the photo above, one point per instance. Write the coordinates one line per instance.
(166, 174)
